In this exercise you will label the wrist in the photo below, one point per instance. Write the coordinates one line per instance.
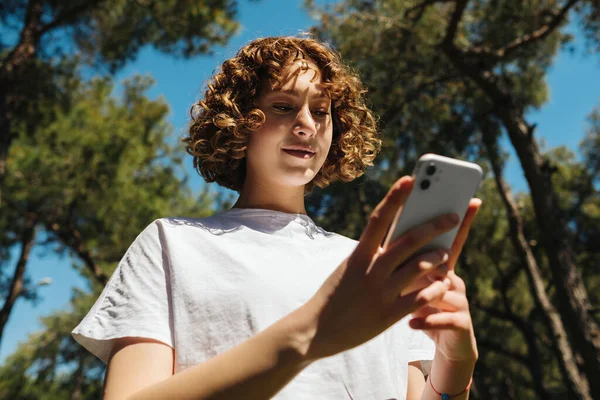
(465, 359)
(464, 351)
(451, 376)
(298, 331)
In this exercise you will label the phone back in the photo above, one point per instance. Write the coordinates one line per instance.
(442, 185)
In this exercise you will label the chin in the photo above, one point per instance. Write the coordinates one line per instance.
(298, 181)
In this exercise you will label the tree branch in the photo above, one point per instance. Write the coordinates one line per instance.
(454, 21)
(525, 40)
(503, 315)
(16, 285)
(412, 94)
(420, 8)
(71, 237)
(28, 39)
(69, 15)
(501, 349)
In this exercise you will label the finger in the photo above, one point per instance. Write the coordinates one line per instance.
(413, 301)
(425, 311)
(403, 279)
(406, 245)
(457, 284)
(380, 220)
(438, 274)
(463, 232)
(452, 302)
(442, 320)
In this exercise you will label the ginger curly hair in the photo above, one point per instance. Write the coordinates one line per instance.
(222, 121)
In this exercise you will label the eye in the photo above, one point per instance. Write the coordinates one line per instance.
(281, 107)
(321, 113)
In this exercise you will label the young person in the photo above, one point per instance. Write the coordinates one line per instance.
(259, 302)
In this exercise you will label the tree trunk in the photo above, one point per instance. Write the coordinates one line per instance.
(577, 384)
(71, 237)
(78, 377)
(11, 68)
(16, 285)
(573, 300)
(574, 305)
(5, 133)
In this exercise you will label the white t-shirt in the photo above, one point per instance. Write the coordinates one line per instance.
(203, 286)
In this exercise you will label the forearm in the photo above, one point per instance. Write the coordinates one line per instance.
(450, 377)
(256, 369)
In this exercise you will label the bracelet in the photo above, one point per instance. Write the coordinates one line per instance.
(446, 396)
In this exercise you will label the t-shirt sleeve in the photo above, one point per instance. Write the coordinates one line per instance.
(135, 302)
(415, 345)
(421, 348)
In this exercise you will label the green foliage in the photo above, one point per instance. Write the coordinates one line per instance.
(395, 47)
(94, 177)
(589, 13)
(428, 105)
(591, 144)
(92, 169)
(111, 33)
(102, 169)
(50, 364)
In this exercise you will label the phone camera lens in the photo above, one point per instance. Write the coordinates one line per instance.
(430, 170)
(425, 184)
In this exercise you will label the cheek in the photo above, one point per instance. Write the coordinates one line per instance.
(327, 135)
(262, 136)
(326, 145)
(271, 127)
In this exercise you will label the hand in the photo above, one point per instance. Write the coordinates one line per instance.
(447, 321)
(454, 251)
(362, 297)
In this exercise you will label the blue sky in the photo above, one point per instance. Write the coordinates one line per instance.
(574, 91)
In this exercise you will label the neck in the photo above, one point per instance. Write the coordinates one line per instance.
(288, 199)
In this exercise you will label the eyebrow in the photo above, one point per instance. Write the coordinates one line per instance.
(297, 93)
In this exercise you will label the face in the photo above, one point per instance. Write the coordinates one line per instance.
(291, 146)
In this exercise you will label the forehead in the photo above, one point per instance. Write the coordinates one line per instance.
(303, 72)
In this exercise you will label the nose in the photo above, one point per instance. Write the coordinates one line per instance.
(305, 125)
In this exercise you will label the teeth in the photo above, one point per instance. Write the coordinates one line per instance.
(304, 151)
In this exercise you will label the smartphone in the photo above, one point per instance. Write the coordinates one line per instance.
(442, 185)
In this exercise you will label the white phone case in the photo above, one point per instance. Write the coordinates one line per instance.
(452, 184)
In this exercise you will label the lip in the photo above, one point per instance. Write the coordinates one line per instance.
(307, 149)
(299, 152)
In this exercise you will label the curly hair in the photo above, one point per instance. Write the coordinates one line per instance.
(221, 122)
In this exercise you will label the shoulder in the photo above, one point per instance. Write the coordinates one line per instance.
(162, 228)
(344, 240)
(211, 224)
(339, 244)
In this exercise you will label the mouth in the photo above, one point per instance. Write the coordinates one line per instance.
(306, 154)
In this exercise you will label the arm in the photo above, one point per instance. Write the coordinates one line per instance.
(358, 301)
(453, 377)
(255, 369)
(450, 377)
(416, 381)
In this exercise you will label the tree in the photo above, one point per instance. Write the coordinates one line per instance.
(449, 77)
(91, 180)
(106, 33)
(50, 364)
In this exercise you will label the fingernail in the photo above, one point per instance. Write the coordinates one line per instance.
(445, 257)
(447, 282)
